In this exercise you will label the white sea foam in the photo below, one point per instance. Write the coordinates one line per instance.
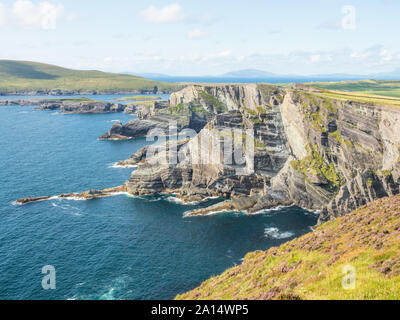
(114, 120)
(115, 286)
(73, 198)
(127, 194)
(117, 166)
(192, 203)
(275, 233)
(71, 210)
(15, 203)
(264, 211)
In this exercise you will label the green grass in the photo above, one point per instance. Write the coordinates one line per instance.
(314, 164)
(32, 76)
(312, 267)
(213, 102)
(360, 86)
(362, 97)
(369, 91)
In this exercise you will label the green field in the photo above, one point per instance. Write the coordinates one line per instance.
(371, 87)
(21, 76)
(380, 92)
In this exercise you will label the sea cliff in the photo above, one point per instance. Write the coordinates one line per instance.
(320, 153)
(326, 154)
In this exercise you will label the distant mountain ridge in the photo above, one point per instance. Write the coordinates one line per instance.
(249, 73)
(260, 74)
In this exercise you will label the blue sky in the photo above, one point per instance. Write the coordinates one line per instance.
(205, 37)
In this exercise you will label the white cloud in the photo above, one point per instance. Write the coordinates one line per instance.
(385, 55)
(222, 54)
(359, 55)
(2, 14)
(320, 58)
(167, 14)
(196, 34)
(43, 15)
(376, 54)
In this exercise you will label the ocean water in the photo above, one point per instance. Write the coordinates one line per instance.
(112, 248)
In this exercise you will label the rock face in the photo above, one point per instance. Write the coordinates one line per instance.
(163, 116)
(59, 92)
(134, 128)
(78, 105)
(311, 151)
(92, 107)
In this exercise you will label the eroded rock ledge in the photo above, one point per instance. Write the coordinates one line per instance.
(87, 195)
(86, 106)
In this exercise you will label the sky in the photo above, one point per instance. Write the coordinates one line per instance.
(208, 37)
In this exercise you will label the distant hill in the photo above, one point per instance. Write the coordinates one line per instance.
(25, 76)
(364, 245)
(249, 73)
(255, 75)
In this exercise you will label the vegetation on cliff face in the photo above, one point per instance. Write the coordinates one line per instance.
(315, 165)
(213, 102)
(353, 257)
(22, 76)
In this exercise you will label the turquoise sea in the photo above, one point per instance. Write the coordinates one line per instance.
(112, 248)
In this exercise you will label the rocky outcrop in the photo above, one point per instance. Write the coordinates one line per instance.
(28, 102)
(59, 92)
(76, 105)
(146, 110)
(91, 107)
(86, 195)
(160, 115)
(132, 129)
(323, 154)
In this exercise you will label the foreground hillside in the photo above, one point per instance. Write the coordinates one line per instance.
(24, 76)
(312, 266)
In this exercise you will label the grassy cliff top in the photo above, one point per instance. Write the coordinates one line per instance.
(375, 88)
(386, 87)
(362, 97)
(384, 93)
(33, 76)
(365, 243)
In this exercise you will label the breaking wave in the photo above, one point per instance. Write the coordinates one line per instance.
(118, 166)
(275, 233)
